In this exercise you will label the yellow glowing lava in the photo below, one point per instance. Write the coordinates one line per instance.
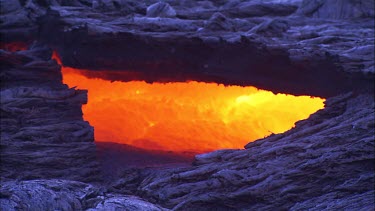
(183, 116)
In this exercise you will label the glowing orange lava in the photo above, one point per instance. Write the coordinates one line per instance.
(186, 116)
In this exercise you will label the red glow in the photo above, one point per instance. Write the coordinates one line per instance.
(185, 116)
(14, 46)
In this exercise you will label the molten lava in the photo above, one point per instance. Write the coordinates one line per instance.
(186, 116)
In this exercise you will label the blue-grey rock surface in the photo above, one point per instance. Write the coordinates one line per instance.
(43, 134)
(315, 47)
(307, 30)
(66, 195)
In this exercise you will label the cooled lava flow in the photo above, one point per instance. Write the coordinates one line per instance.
(185, 116)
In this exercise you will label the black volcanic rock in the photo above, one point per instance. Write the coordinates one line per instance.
(271, 27)
(211, 42)
(331, 38)
(259, 8)
(66, 195)
(337, 9)
(218, 22)
(9, 6)
(160, 9)
(43, 134)
(321, 48)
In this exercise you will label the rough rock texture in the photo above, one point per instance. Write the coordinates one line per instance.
(325, 162)
(337, 9)
(272, 27)
(210, 40)
(66, 195)
(43, 134)
(224, 42)
(160, 9)
(218, 22)
(314, 47)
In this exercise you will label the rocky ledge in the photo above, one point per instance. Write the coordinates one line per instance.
(320, 48)
(43, 134)
(323, 48)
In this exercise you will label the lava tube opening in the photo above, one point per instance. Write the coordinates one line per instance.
(185, 116)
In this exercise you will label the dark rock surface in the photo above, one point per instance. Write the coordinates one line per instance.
(43, 134)
(314, 47)
(66, 195)
(337, 9)
(116, 158)
(324, 163)
(208, 42)
(161, 9)
(231, 42)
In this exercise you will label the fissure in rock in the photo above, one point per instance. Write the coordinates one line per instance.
(184, 116)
